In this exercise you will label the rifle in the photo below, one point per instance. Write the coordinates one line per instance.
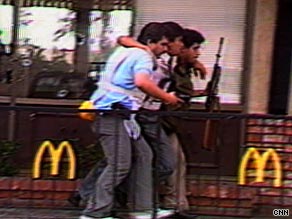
(211, 127)
(212, 86)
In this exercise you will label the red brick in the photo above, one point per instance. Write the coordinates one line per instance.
(6, 194)
(254, 137)
(227, 203)
(272, 192)
(42, 185)
(201, 201)
(21, 183)
(39, 195)
(254, 121)
(269, 200)
(233, 193)
(61, 195)
(62, 185)
(192, 187)
(209, 191)
(56, 195)
(22, 194)
(245, 203)
(5, 183)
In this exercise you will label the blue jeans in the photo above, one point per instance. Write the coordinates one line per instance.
(126, 159)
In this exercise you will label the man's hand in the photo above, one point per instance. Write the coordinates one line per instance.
(172, 99)
(144, 83)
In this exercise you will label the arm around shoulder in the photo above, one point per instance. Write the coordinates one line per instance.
(128, 41)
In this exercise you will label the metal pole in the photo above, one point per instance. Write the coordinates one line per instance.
(12, 113)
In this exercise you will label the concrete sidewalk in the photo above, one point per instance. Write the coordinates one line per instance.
(35, 213)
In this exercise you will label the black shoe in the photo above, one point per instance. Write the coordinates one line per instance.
(99, 216)
(120, 199)
(184, 215)
(75, 199)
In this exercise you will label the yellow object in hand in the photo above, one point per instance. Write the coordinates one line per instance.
(90, 116)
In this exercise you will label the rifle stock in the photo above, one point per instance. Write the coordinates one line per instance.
(211, 126)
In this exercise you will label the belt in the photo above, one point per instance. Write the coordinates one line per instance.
(117, 106)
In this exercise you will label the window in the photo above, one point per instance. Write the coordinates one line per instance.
(105, 28)
(52, 35)
(50, 32)
(6, 24)
(6, 33)
(46, 37)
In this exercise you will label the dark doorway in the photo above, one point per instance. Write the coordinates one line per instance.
(282, 56)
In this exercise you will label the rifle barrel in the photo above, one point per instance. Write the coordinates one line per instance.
(218, 55)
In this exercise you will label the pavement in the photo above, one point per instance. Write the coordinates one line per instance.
(36, 213)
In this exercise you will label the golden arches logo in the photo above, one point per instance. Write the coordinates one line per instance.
(260, 162)
(56, 155)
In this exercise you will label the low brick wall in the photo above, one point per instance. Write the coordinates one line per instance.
(206, 196)
(27, 192)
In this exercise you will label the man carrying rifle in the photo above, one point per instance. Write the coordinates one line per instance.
(187, 65)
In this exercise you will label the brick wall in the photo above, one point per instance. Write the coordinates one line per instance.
(206, 196)
(217, 194)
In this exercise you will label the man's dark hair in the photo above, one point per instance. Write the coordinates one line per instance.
(192, 36)
(152, 32)
(174, 30)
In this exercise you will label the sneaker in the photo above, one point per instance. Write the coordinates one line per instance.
(87, 217)
(185, 215)
(136, 215)
(163, 213)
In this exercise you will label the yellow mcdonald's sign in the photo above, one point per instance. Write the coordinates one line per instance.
(260, 161)
(55, 154)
